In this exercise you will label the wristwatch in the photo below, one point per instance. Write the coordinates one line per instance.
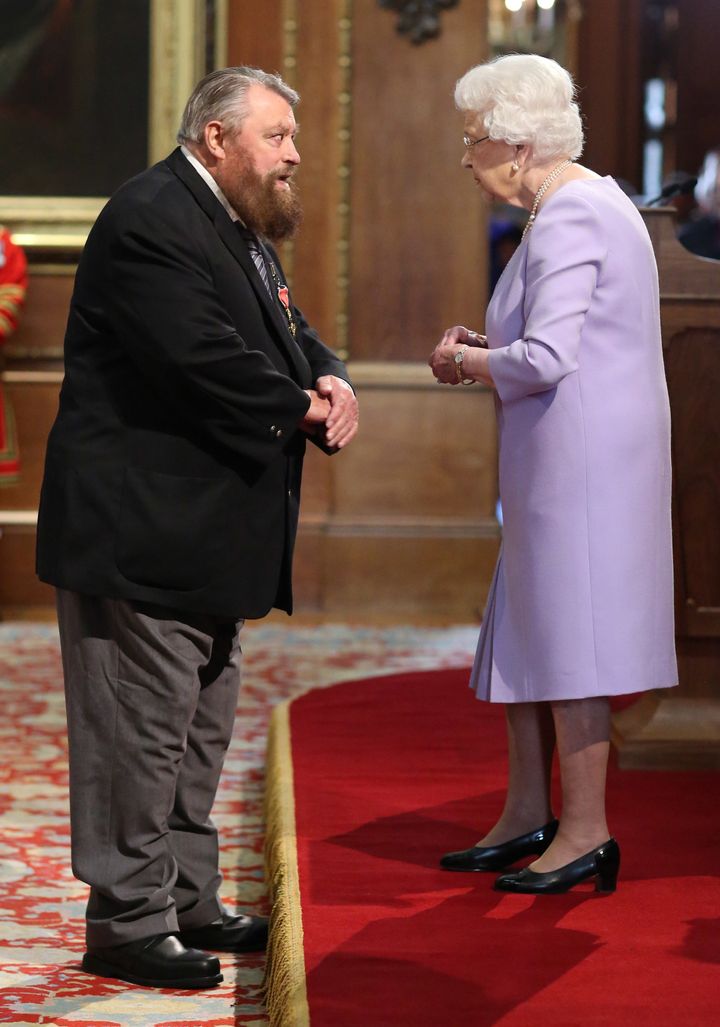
(459, 367)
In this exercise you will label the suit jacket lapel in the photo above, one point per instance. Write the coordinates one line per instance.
(231, 237)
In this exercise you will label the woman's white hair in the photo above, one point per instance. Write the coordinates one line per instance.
(525, 99)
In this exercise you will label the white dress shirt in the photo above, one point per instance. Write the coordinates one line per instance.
(208, 178)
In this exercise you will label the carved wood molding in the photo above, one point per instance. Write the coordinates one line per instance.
(344, 129)
(419, 20)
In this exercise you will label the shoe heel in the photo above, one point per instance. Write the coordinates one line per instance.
(606, 883)
(608, 866)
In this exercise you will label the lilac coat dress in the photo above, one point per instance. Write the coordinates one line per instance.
(581, 603)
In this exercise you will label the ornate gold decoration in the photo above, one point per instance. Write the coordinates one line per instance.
(285, 980)
(177, 62)
(419, 19)
(344, 166)
(50, 226)
(290, 32)
(217, 48)
(289, 73)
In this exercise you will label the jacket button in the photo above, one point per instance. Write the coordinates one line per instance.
(278, 433)
(273, 429)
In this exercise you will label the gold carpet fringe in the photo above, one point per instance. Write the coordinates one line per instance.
(285, 991)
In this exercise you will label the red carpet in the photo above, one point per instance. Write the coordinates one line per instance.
(390, 773)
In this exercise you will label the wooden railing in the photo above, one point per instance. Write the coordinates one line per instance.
(680, 727)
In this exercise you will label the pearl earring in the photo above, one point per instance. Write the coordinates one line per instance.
(515, 166)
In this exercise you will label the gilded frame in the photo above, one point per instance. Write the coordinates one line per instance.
(55, 228)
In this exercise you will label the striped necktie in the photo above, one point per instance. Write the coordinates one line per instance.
(280, 295)
(257, 256)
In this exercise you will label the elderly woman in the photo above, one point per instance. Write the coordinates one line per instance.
(581, 604)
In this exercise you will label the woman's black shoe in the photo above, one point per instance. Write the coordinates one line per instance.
(497, 857)
(602, 863)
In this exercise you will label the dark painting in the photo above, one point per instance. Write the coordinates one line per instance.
(73, 95)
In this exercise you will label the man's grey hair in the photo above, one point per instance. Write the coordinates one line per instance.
(222, 96)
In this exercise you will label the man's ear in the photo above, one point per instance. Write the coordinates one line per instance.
(214, 137)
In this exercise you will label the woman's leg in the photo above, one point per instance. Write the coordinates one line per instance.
(582, 732)
(531, 739)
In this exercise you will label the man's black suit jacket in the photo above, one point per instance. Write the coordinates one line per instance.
(173, 468)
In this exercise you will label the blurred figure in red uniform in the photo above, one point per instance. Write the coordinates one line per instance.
(13, 285)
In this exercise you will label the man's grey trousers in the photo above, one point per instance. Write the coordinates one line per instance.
(151, 695)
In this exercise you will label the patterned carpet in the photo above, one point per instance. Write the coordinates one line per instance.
(41, 904)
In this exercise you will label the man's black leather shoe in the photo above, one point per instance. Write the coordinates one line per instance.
(161, 961)
(497, 857)
(230, 934)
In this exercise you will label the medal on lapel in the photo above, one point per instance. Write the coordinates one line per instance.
(283, 294)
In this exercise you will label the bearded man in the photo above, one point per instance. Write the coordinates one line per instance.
(169, 509)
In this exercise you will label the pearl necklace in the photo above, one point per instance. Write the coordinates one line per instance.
(555, 173)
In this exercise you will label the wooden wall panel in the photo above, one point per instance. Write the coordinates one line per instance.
(418, 245)
(316, 485)
(410, 528)
(693, 371)
(320, 77)
(20, 590)
(610, 77)
(698, 82)
(42, 327)
(255, 34)
(35, 402)
(610, 87)
(415, 240)
(426, 451)
(304, 43)
(405, 578)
